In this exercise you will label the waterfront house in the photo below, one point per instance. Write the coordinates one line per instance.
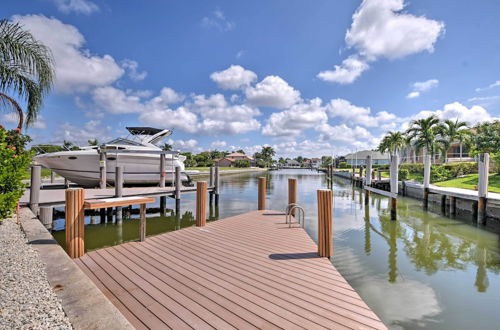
(292, 163)
(359, 158)
(230, 160)
(316, 162)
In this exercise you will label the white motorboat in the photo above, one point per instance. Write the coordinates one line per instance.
(138, 154)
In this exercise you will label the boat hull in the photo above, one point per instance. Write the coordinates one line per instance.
(82, 167)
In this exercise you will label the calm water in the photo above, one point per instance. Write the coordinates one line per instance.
(423, 270)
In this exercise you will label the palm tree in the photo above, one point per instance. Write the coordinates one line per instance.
(449, 132)
(393, 142)
(166, 147)
(267, 154)
(26, 70)
(422, 133)
(93, 142)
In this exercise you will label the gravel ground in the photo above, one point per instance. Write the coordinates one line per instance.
(26, 298)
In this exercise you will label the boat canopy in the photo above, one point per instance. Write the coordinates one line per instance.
(144, 130)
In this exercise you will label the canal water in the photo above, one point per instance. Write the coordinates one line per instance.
(424, 270)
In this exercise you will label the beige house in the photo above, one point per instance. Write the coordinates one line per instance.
(230, 159)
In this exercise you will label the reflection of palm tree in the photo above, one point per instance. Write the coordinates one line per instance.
(482, 281)
(393, 251)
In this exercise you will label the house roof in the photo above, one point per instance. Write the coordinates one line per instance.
(362, 155)
(292, 161)
(238, 154)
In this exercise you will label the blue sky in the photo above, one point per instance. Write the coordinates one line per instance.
(308, 78)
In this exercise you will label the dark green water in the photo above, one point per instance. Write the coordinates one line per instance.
(424, 270)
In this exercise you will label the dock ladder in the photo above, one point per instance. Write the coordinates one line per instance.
(289, 211)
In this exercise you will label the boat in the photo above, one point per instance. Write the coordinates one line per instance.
(138, 154)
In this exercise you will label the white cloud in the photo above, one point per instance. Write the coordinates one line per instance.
(190, 145)
(421, 87)
(218, 145)
(274, 92)
(79, 135)
(233, 77)
(240, 53)
(76, 6)
(167, 96)
(484, 98)
(296, 119)
(12, 118)
(379, 29)
(218, 20)
(344, 133)
(350, 69)
(76, 68)
(131, 67)
(493, 85)
(181, 118)
(359, 115)
(116, 101)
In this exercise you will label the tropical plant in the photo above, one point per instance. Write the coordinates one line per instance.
(15, 160)
(487, 139)
(26, 71)
(93, 142)
(422, 134)
(449, 132)
(166, 147)
(393, 142)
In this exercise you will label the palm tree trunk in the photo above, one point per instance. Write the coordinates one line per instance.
(15, 106)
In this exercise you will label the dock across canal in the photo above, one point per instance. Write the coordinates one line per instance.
(247, 271)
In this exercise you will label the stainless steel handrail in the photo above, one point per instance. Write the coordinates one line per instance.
(289, 210)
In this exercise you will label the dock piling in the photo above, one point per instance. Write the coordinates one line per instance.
(201, 203)
(427, 179)
(211, 183)
(178, 185)
(325, 230)
(162, 171)
(142, 229)
(119, 190)
(216, 185)
(36, 173)
(52, 176)
(262, 193)
(46, 215)
(292, 192)
(102, 170)
(453, 205)
(483, 167)
(368, 178)
(74, 214)
(394, 184)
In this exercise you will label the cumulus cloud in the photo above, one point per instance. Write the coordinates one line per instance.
(217, 145)
(490, 86)
(294, 120)
(350, 69)
(167, 96)
(116, 101)
(190, 145)
(380, 29)
(131, 67)
(76, 6)
(12, 118)
(353, 114)
(421, 87)
(274, 92)
(233, 77)
(180, 118)
(344, 133)
(79, 135)
(76, 68)
(217, 20)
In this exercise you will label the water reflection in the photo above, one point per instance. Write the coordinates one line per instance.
(423, 270)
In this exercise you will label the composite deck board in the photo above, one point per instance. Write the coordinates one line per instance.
(247, 271)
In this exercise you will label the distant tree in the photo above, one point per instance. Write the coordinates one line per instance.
(26, 70)
(487, 139)
(93, 142)
(166, 147)
(393, 142)
(240, 151)
(189, 162)
(67, 145)
(282, 161)
(242, 163)
(300, 159)
(326, 161)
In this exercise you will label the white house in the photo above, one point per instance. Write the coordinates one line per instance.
(359, 158)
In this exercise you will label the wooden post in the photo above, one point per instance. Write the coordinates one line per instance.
(483, 167)
(119, 189)
(216, 185)
(453, 205)
(201, 203)
(368, 177)
(36, 173)
(427, 179)
(162, 171)
(142, 229)
(394, 185)
(102, 170)
(52, 176)
(292, 192)
(46, 214)
(178, 183)
(75, 231)
(262, 194)
(325, 230)
(443, 204)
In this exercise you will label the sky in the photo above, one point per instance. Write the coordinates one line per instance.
(308, 78)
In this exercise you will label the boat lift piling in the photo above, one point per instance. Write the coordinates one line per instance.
(119, 190)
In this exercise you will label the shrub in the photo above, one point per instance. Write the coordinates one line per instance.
(413, 168)
(242, 163)
(403, 174)
(459, 169)
(496, 161)
(440, 173)
(14, 163)
(343, 165)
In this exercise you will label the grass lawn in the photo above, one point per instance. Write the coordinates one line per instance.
(470, 182)
(45, 173)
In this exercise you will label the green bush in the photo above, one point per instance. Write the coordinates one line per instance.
(403, 174)
(440, 173)
(459, 169)
(14, 163)
(496, 161)
(413, 168)
(242, 163)
(344, 165)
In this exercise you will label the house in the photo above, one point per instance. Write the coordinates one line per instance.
(359, 158)
(292, 163)
(230, 159)
(316, 162)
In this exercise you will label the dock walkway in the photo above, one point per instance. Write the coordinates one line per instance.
(247, 271)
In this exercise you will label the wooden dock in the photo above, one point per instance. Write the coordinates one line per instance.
(247, 271)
